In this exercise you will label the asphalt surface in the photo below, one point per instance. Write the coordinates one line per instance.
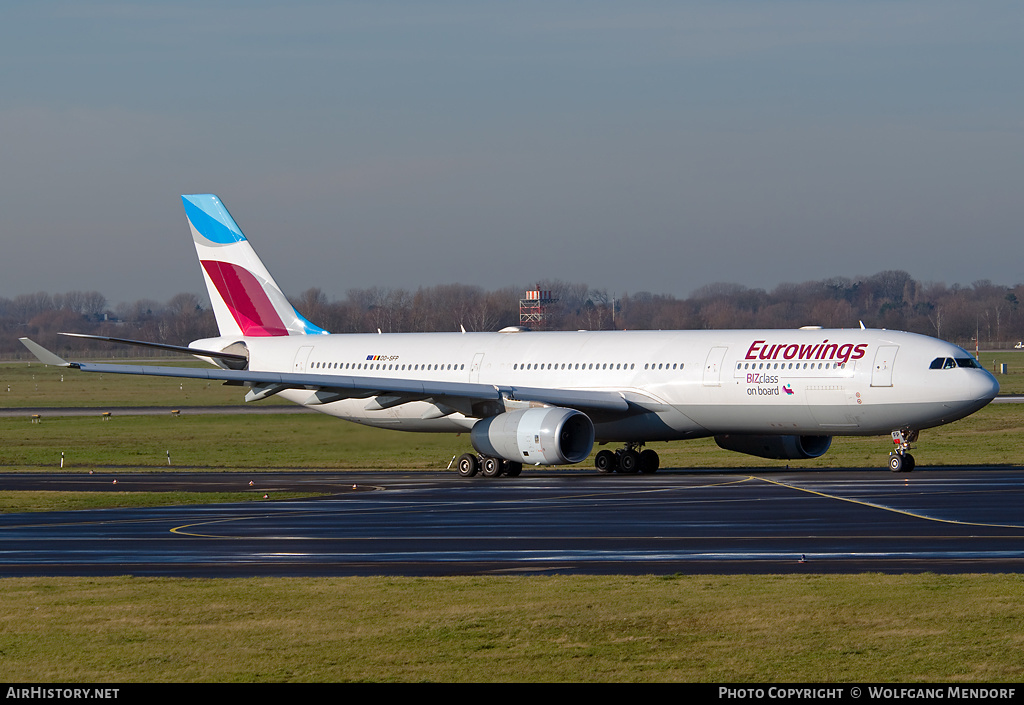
(547, 521)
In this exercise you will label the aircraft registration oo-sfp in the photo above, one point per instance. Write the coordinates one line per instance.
(545, 398)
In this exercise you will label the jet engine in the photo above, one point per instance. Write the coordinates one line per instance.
(777, 447)
(539, 436)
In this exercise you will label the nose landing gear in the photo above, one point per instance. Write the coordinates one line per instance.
(899, 459)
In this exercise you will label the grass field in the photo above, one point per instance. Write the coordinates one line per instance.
(314, 441)
(747, 629)
(56, 501)
(31, 384)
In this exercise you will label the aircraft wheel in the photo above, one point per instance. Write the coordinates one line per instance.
(514, 469)
(908, 462)
(649, 461)
(604, 461)
(491, 467)
(896, 462)
(629, 461)
(468, 465)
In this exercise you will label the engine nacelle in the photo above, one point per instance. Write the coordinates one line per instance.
(777, 447)
(540, 436)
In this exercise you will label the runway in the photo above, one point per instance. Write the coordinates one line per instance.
(561, 521)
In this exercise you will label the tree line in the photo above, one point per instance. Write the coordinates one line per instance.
(891, 299)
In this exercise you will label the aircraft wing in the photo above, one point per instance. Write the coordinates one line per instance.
(328, 388)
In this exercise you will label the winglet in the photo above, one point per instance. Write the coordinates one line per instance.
(45, 356)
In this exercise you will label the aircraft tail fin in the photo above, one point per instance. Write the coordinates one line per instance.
(246, 299)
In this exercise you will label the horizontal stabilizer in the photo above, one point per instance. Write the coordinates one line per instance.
(234, 357)
(43, 355)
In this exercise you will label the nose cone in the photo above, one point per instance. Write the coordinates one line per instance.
(984, 387)
(976, 390)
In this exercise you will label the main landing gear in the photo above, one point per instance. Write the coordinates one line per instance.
(627, 460)
(469, 465)
(899, 459)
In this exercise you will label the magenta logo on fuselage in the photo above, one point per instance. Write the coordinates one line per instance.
(844, 352)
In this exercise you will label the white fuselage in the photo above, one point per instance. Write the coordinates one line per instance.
(684, 384)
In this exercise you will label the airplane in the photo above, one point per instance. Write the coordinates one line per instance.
(545, 398)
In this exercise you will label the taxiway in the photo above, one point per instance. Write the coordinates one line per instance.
(565, 521)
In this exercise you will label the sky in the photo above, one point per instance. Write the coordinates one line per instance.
(641, 146)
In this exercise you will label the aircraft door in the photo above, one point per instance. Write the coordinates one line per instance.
(881, 374)
(713, 367)
(474, 369)
(301, 357)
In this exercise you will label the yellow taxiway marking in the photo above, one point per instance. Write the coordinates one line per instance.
(885, 508)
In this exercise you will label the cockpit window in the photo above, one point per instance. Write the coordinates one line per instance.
(948, 363)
